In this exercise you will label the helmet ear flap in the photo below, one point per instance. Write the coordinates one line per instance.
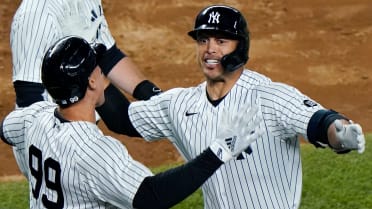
(237, 58)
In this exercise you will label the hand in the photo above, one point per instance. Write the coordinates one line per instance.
(350, 136)
(77, 21)
(236, 131)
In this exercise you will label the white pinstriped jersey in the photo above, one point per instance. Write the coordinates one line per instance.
(268, 178)
(34, 29)
(72, 164)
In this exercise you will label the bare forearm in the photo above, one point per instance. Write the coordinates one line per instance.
(126, 75)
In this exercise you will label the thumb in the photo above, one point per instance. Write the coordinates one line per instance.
(73, 6)
(339, 126)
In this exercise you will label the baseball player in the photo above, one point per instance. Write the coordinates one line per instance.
(269, 175)
(71, 164)
(38, 24)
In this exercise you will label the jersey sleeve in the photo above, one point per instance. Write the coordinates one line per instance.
(33, 30)
(110, 173)
(14, 126)
(152, 118)
(286, 110)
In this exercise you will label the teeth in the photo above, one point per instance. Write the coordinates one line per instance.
(210, 61)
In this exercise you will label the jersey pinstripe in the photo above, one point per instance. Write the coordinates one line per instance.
(34, 29)
(72, 164)
(269, 177)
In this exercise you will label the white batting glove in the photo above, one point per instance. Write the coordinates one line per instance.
(350, 136)
(77, 21)
(236, 131)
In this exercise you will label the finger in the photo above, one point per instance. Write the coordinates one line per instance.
(82, 8)
(357, 129)
(72, 7)
(99, 20)
(258, 118)
(65, 8)
(338, 125)
(241, 117)
(251, 114)
(361, 149)
(261, 130)
(361, 144)
(254, 134)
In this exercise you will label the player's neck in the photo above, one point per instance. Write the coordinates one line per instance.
(218, 89)
(78, 112)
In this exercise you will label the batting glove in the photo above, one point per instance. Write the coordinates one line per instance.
(78, 22)
(236, 131)
(350, 136)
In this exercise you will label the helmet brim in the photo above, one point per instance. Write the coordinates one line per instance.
(215, 31)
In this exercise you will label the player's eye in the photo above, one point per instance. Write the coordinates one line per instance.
(202, 40)
(222, 41)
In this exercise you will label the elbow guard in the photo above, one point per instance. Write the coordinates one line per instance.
(110, 58)
(145, 90)
(318, 126)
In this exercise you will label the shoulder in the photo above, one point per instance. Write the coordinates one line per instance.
(43, 106)
(102, 151)
(277, 87)
(92, 138)
(34, 110)
(254, 77)
(249, 80)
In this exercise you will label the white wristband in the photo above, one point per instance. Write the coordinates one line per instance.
(221, 151)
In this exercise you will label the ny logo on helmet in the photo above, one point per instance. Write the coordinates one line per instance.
(214, 17)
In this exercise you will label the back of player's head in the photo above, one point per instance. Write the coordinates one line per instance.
(66, 68)
(229, 22)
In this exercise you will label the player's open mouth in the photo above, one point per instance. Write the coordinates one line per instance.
(211, 62)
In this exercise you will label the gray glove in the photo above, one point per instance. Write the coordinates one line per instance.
(77, 21)
(236, 131)
(350, 136)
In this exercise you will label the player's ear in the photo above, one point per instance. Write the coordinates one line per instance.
(92, 83)
(93, 78)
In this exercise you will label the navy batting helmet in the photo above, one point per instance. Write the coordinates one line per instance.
(229, 22)
(66, 68)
